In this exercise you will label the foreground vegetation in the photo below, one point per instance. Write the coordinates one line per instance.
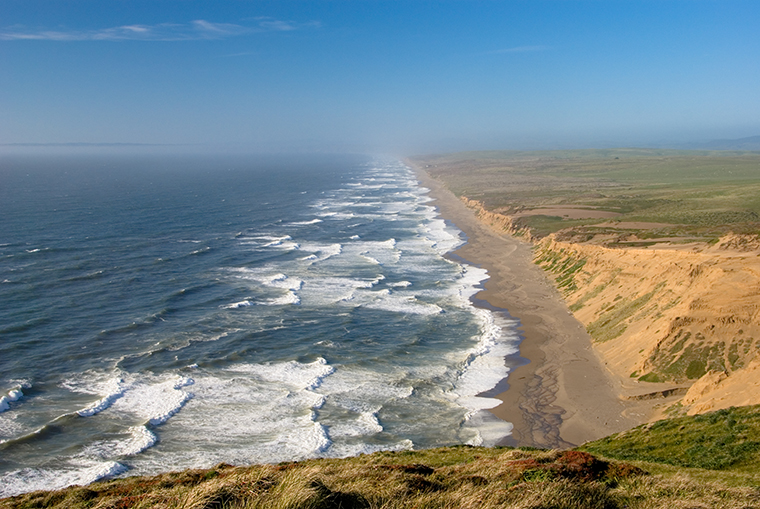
(727, 440)
(695, 462)
(701, 194)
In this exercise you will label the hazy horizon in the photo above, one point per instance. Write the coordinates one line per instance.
(376, 76)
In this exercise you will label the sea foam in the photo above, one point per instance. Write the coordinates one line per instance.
(137, 440)
(116, 391)
(31, 479)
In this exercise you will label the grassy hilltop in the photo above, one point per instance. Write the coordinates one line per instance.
(695, 462)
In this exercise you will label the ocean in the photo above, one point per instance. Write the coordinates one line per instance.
(160, 313)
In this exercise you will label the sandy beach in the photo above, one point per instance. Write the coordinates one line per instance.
(562, 395)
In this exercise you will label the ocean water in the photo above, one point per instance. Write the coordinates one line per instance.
(160, 313)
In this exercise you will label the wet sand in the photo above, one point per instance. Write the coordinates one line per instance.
(563, 395)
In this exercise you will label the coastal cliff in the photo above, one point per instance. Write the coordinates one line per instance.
(681, 314)
(498, 221)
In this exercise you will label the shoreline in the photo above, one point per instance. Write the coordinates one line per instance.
(560, 395)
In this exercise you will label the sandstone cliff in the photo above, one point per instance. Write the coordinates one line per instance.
(498, 221)
(665, 313)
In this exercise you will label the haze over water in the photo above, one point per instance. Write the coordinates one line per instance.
(162, 312)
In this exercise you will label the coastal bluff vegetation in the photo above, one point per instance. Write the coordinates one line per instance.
(656, 253)
(702, 461)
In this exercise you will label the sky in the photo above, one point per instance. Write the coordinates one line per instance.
(389, 76)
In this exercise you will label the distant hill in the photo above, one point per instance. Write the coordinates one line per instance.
(751, 143)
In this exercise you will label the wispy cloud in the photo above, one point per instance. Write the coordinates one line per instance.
(520, 49)
(241, 54)
(195, 30)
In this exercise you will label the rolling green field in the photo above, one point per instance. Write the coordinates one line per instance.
(693, 194)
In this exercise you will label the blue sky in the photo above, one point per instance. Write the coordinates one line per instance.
(390, 76)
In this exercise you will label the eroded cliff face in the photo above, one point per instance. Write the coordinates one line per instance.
(665, 313)
(498, 221)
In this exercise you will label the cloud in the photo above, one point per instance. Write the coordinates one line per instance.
(242, 54)
(213, 30)
(520, 49)
(277, 25)
(195, 30)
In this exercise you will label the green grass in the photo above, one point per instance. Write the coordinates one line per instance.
(541, 225)
(724, 440)
(679, 359)
(699, 193)
(563, 265)
(595, 291)
(615, 320)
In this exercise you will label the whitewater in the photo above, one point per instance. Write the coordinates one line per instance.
(164, 313)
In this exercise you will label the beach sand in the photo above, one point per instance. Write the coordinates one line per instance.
(563, 395)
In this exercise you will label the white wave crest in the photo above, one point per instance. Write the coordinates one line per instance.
(31, 479)
(484, 366)
(365, 424)
(13, 395)
(300, 376)
(116, 391)
(282, 281)
(316, 439)
(331, 290)
(407, 304)
(154, 402)
(140, 439)
(241, 304)
(306, 223)
(321, 252)
(289, 298)
(486, 429)
(371, 260)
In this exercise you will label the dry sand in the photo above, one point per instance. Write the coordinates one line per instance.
(563, 395)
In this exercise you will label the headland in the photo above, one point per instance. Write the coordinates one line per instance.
(634, 274)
